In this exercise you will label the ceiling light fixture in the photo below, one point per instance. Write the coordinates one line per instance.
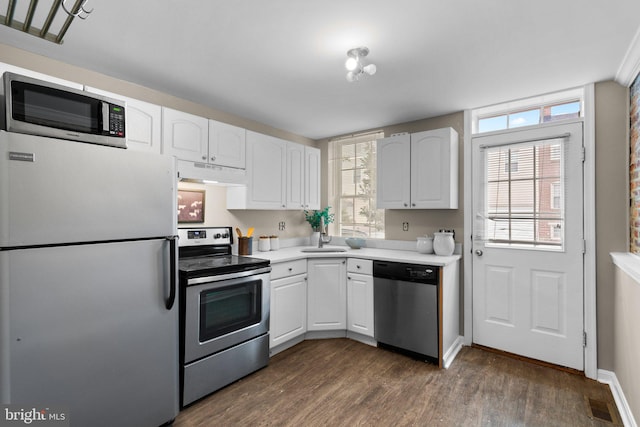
(354, 65)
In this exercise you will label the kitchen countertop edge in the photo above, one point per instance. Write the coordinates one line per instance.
(393, 255)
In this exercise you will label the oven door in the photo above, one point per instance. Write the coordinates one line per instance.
(225, 310)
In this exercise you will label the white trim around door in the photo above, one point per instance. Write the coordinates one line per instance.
(590, 325)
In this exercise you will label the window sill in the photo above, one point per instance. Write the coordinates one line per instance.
(629, 263)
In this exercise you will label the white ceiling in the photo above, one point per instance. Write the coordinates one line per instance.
(281, 62)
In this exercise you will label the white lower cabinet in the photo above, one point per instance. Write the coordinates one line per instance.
(360, 296)
(288, 317)
(327, 294)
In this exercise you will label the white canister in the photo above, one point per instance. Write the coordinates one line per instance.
(264, 244)
(275, 243)
(443, 243)
(425, 245)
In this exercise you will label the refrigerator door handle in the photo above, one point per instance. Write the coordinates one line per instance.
(172, 272)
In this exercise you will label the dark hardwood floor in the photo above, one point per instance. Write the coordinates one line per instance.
(340, 382)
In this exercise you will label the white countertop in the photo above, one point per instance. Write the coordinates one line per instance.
(413, 257)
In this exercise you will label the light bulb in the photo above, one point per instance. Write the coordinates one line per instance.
(351, 64)
(370, 69)
(351, 76)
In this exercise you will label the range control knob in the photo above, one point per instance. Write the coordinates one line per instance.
(217, 236)
(225, 236)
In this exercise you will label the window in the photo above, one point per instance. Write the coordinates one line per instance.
(524, 206)
(352, 186)
(564, 105)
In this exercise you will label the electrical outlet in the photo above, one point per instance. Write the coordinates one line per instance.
(281, 226)
(405, 226)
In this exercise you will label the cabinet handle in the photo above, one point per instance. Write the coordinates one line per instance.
(349, 277)
(413, 204)
(357, 266)
(405, 205)
(204, 157)
(290, 269)
(344, 262)
(213, 159)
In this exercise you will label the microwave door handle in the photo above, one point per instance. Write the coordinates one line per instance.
(172, 273)
(105, 117)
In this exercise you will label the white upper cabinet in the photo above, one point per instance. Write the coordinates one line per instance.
(280, 175)
(266, 175)
(418, 171)
(311, 178)
(143, 122)
(185, 135)
(303, 177)
(295, 176)
(394, 173)
(227, 145)
(434, 169)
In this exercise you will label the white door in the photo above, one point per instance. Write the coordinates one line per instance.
(528, 243)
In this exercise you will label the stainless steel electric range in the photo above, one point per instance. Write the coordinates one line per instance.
(224, 312)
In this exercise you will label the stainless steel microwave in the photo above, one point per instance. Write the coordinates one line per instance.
(38, 107)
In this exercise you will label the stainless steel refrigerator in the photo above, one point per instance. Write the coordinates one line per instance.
(88, 318)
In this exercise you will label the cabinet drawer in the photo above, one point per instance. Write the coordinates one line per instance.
(289, 268)
(363, 266)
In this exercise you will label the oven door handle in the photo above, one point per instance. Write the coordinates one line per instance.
(169, 302)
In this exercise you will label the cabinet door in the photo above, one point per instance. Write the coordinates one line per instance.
(227, 145)
(434, 169)
(288, 317)
(295, 176)
(143, 122)
(326, 297)
(266, 170)
(394, 175)
(360, 303)
(185, 135)
(311, 178)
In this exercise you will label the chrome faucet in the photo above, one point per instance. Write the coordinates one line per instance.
(323, 234)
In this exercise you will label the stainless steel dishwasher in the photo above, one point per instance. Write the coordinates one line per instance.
(406, 308)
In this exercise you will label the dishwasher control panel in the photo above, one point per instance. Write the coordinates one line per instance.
(408, 272)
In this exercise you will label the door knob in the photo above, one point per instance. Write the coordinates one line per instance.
(479, 252)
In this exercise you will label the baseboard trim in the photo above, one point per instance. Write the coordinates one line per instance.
(610, 378)
(452, 352)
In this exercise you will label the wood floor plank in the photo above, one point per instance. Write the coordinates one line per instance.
(341, 382)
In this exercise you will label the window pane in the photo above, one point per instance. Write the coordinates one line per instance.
(565, 111)
(354, 192)
(524, 118)
(524, 205)
(492, 123)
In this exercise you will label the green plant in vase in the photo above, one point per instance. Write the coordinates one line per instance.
(314, 217)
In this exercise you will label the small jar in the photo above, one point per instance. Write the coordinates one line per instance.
(425, 245)
(264, 244)
(443, 243)
(275, 243)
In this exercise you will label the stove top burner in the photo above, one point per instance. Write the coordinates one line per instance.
(219, 264)
(206, 251)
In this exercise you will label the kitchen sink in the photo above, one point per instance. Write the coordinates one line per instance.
(326, 249)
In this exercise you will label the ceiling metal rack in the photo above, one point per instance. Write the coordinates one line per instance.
(47, 31)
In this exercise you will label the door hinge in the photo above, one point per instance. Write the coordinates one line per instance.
(583, 155)
(584, 246)
(584, 339)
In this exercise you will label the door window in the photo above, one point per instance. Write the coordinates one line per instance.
(524, 195)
